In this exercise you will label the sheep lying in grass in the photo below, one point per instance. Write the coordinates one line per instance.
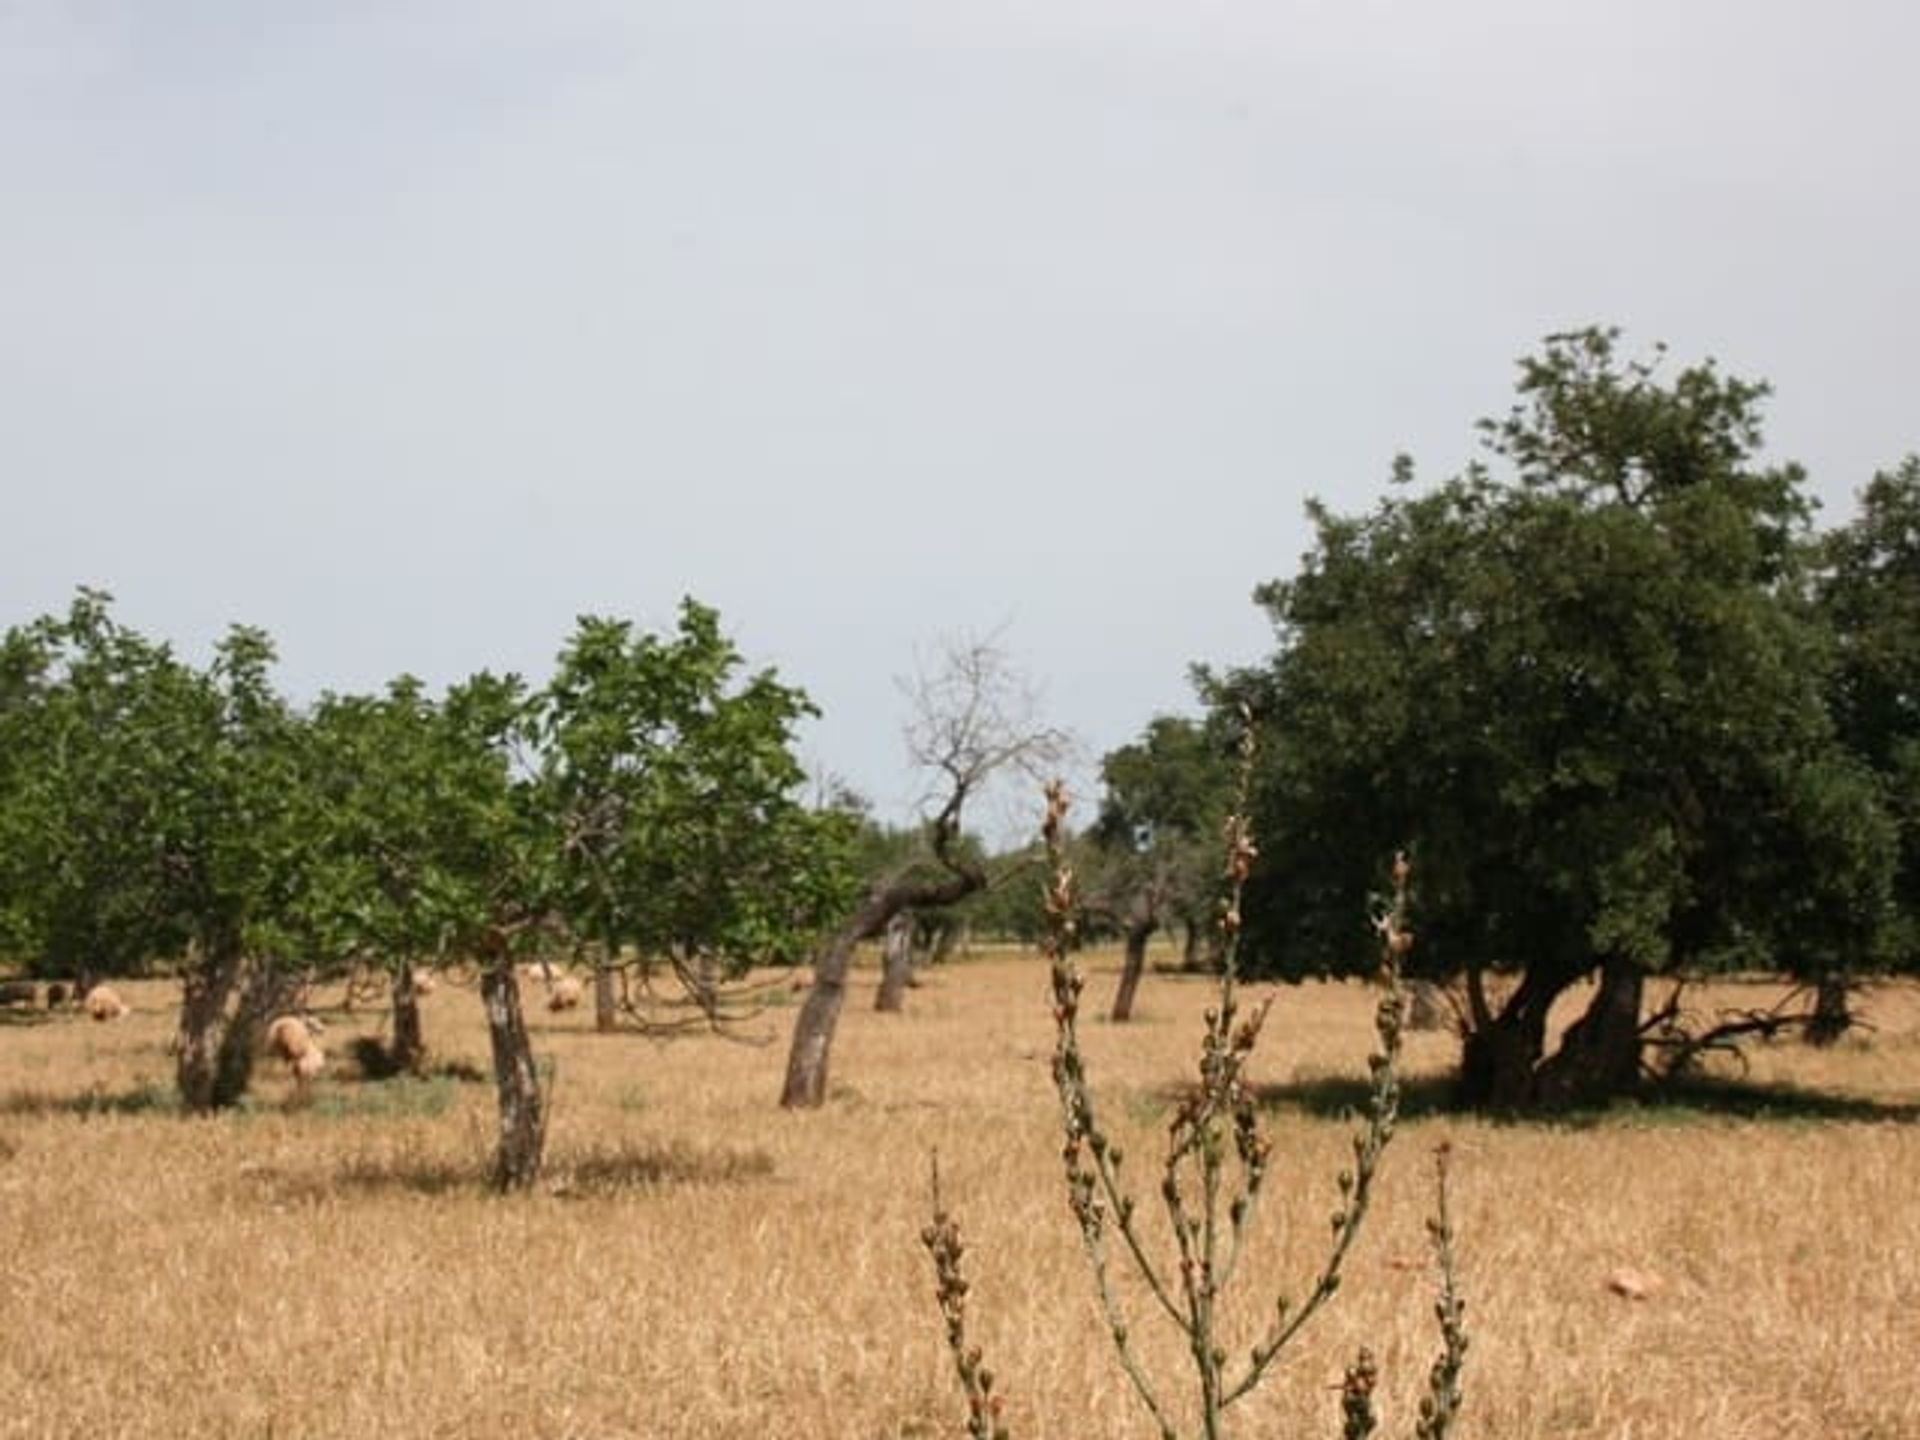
(565, 994)
(290, 1038)
(104, 1003)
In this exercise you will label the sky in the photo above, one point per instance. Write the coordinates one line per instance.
(410, 330)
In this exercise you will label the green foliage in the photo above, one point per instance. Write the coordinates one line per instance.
(1869, 592)
(143, 803)
(1591, 693)
(670, 786)
(1154, 852)
(420, 839)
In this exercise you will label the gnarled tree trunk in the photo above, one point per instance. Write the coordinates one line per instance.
(1504, 1063)
(523, 1126)
(806, 1082)
(1599, 1057)
(896, 964)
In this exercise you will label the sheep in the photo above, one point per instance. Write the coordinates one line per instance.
(565, 994)
(423, 982)
(18, 992)
(103, 1004)
(56, 995)
(290, 1038)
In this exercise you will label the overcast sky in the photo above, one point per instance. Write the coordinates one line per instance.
(410, 331)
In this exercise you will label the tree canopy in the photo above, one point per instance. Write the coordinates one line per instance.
(1582, 683)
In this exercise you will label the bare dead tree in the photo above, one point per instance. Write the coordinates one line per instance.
(972, 719)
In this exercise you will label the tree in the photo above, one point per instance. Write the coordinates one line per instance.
(1590, 695)
(81, 791)
(379, 772)
(149, 814)
(971, 720)
(673, 790)
(1869, 592)
(1154, 845)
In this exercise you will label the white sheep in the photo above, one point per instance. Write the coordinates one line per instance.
(565, 994)
(104, 1003)
(289, 1038)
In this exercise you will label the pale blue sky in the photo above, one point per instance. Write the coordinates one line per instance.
(409, 331)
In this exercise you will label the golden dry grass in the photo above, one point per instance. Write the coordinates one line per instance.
(704, 1265)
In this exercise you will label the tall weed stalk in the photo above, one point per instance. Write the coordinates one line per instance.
(1209, 1185)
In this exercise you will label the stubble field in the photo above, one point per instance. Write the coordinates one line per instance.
(702, 1264)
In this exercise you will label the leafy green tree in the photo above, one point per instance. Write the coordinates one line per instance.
(1155, 844)
(1589, 694)
(671, 784)
(1869, 591)
(82, 790)
(149, 814)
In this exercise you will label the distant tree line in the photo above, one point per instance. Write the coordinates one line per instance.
(1636, 718)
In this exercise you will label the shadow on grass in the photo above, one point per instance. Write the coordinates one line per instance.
(595, 1172)
(140, 1100)
(1676, 1102)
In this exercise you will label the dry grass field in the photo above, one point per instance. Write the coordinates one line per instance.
(700, 1264)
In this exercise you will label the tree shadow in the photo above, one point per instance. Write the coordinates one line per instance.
(599, 1171)
(1677, 1101)
(139, 1100)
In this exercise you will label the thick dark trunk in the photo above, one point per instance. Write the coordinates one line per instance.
(1500, 1055)
(1832, 1013)
(409, 1052)
(1132, 968)
(1503, 1061)
(523, 1128)
(896, 965)
(1599, 1058)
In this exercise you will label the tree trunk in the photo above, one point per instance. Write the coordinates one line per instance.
(213, 973)
(523, 1129)
(806, 1083)
(1599, 1058)
(408, 1054)
(1135, 965)
(1500, 1055)
(896, 965)
(1503, 1061)
(605, 1011)
(1832, 1013)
